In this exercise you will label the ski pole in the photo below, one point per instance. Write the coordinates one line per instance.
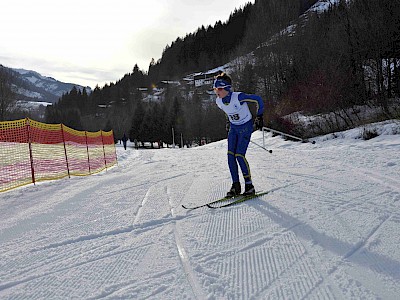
(288, 135)
(270, 151)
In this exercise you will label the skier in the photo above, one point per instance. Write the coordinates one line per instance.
(240, 128)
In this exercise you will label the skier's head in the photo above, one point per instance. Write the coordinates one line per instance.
(222, 85)
(222, 81)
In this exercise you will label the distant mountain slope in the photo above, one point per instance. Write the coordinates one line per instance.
(31, 86)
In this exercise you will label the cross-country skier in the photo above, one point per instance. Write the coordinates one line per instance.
(240, 127)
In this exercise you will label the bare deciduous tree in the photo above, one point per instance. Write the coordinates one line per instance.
(7, 97)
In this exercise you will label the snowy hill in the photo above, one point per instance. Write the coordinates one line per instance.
(43, 88)
(30, 86)
(323, 5)
(327, 229)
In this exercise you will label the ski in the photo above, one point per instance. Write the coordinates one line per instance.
(210, 203)
(237, 201)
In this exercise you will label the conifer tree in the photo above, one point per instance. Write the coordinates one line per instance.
(137, 120)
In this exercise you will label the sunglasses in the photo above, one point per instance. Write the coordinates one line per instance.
(218, 89)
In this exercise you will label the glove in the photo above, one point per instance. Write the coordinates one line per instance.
(228, 126)
(259, 122)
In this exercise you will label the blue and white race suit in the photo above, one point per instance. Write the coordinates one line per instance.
(237, 111)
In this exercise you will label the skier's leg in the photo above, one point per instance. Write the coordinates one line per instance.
(242, 144)
(244, 166)
(232, 144)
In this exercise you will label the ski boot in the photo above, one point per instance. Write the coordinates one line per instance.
(234, 191)
(249, 189)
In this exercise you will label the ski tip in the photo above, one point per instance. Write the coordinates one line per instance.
(209, 206)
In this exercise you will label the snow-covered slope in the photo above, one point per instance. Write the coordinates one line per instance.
(43, 88)
(328, 229)
(322, 5)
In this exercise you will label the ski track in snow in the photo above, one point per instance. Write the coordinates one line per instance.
(328, 229)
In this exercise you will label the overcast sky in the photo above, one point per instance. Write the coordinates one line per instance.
(97, 42)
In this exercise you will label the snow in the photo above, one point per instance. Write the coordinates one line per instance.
(31, 105)
(27, 93)
(328, 229)
(322, 5)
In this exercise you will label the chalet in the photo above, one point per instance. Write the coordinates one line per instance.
(206, 78)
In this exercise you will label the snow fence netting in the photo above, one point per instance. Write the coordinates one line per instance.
(32, 151)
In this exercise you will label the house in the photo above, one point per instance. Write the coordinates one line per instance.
(205, 78)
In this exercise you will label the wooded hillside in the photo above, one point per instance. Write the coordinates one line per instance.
(319, 62)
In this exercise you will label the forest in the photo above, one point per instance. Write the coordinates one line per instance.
(319, 62)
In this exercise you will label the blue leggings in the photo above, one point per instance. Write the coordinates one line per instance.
(238, 141)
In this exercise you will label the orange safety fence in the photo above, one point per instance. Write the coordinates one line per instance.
(32, 151)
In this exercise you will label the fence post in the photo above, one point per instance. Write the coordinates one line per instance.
(28, 129)
(115, 150)
(104, 150)
(87, 149)
(263, 137)
(65, 149)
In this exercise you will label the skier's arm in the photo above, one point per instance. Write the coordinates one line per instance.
(250, 98)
